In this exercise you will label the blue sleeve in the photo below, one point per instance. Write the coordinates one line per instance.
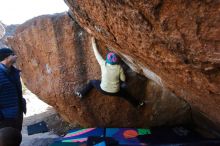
(0, 84)
(1, 115)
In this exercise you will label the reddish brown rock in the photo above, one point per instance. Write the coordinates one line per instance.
(176, 43)
(56, 59)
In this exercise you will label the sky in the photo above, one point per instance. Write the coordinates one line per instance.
(19, 11)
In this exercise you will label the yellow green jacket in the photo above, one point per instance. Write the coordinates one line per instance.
(111, 74)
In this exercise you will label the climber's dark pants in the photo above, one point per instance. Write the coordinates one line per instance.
(90, 85)
(122, 93)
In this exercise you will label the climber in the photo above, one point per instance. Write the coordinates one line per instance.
(112, 76)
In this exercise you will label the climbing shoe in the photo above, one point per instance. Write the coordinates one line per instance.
(140, 105)
(79, 95)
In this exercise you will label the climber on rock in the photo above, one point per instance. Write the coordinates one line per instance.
(112, 76)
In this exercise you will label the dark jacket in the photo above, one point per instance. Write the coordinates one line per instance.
(11, 102)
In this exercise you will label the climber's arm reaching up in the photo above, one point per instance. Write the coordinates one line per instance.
(96, 52)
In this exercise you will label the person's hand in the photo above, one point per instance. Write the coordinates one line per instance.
(123, 85)
(93, 40)
(88, 30)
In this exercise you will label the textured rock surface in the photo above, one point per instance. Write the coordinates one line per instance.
(56, 59)
(2, 30)
(2, 33)
(6, 31)
(176, 43)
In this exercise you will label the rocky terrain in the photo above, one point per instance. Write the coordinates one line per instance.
(170, 49)
(57, 52)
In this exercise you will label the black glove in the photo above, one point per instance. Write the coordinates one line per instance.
(123, 85)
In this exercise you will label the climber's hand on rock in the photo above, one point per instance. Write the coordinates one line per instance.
(93, 40)
(88, 30)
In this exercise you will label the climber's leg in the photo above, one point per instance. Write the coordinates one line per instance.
(88, 87)
(136, 103)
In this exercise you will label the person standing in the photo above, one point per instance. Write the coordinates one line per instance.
(12, 104)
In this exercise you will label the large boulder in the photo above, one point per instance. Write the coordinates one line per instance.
(175, 43)
(6, 31)
(2, 33)
(2, 30)
(56, 59)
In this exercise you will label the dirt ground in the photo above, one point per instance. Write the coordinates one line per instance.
(38, 111)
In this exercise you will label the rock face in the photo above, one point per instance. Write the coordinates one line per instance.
(6, 31)
(2, 30)
(175, 43)
(2, 33)
(56, 59)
